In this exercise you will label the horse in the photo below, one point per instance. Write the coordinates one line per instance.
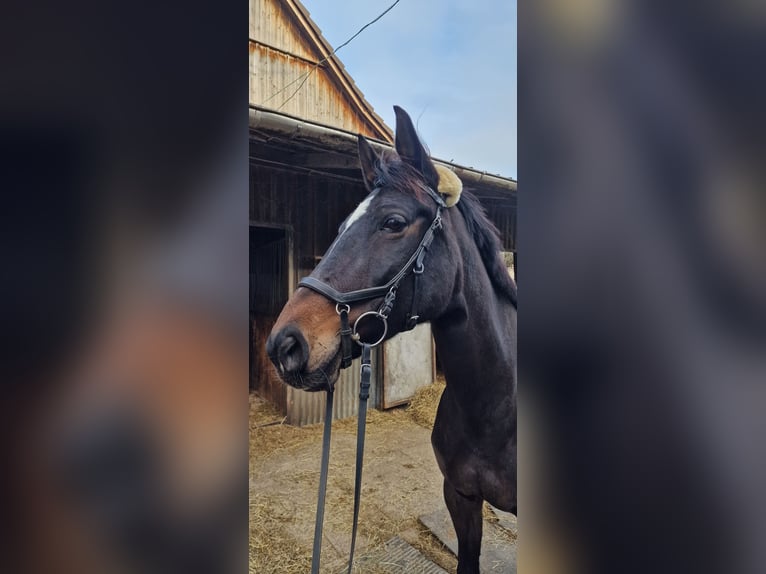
(461, 287)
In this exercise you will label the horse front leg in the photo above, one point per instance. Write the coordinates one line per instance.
(466, 517)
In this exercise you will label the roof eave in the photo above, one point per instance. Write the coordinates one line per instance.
(334, 138)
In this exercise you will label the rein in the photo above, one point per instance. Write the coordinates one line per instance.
(347, 335)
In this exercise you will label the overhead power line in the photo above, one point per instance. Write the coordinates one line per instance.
(306, 75)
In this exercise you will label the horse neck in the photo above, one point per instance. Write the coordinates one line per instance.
(476, 338)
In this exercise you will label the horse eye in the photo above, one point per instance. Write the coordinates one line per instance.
(395, 223)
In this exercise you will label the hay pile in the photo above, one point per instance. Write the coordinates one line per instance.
(423, 407)
(284, 463)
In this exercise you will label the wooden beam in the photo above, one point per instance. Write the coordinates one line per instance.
(326, 160)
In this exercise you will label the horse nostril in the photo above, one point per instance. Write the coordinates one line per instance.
(288, 350)
(290, 356)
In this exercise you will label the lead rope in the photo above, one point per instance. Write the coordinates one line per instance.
(364, 393)
(322, 483)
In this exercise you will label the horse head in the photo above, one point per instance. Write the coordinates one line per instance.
(408, 195)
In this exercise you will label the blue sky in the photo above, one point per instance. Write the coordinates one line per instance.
(451, 64)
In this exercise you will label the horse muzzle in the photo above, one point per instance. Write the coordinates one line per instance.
(289, 352)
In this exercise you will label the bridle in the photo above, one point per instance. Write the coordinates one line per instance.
(343, 301)
(388, 291)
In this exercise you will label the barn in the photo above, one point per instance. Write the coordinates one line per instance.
(305, 112)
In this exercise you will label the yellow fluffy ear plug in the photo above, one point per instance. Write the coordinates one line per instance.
(450, 185)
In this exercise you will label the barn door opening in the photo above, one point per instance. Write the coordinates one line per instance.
(270, 276)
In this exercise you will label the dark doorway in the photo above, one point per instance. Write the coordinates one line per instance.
(269, 291)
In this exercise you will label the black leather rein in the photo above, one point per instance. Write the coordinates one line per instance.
(347, 335)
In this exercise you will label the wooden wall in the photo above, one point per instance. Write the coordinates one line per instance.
(311, 206)
(281, 58)
(504, 217)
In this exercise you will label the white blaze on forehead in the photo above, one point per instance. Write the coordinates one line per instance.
(360, 210)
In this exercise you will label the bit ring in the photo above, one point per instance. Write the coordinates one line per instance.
(369, 314)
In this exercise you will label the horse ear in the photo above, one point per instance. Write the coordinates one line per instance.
(410, 149)
(368, 158)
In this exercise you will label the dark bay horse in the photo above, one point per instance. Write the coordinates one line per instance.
(465, 292)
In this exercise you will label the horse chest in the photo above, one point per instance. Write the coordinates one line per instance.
(476, 464)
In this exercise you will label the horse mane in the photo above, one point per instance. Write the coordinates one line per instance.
(391, 170)
(487, 238)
